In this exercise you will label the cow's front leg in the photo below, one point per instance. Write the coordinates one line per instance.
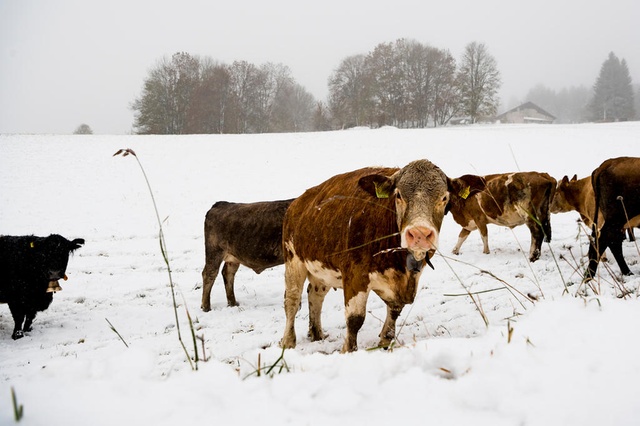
(537, 236)
(30, 316)
(355, 311)
(388, 332)
(18, 315)
(316, 292)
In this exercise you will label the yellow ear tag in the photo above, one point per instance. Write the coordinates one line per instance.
(464, 192)
(381, 192)
(31, 244)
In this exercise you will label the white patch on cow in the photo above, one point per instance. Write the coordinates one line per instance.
(357, 305)
(383, 284)
(329, 277)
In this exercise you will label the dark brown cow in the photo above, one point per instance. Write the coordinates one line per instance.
(616, 185)
(372, 229)
(510, 199)
(240, 234)
(577, 194)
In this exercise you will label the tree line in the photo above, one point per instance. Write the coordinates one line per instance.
(403, 83)
(189, 95)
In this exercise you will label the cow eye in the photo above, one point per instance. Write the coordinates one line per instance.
(398, 196)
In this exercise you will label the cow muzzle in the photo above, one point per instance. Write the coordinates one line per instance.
(419, 240)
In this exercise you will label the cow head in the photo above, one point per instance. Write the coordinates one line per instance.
(50, 255)
(422, 193)
(559, 203)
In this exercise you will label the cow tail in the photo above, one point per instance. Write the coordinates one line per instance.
(596, 194)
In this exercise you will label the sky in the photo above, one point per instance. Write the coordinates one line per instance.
(68, 62)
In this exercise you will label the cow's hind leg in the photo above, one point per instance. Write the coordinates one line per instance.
(462, 237)
(209, 273)
(18, 314)
(228, 275)
(295, 274)
(537, 236)
(615, 237)
(316, 292)
(388, 332)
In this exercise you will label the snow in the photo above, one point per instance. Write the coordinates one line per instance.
(572, 357)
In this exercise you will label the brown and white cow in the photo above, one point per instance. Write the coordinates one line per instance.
(372, 229)
(248, 234)
(616, 187)
(509, 199)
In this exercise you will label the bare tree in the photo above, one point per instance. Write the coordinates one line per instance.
(83, 129)
(349, 99)
(479, 82)
(166, 95)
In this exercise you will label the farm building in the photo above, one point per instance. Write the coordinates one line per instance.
(526, 113)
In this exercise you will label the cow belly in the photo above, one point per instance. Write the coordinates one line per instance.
(510, 217)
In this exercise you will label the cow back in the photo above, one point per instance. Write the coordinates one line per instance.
(338, 224)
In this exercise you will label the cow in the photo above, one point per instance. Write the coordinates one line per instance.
(616, 187)
(248, 234)
(371, 229)
(509, 199)
(31, 267)
(577, 194)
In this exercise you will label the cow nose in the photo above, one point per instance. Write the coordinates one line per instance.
(420, 237)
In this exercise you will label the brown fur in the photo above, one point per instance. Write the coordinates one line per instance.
(510, 199)
(616, 186)
(339, 234)
(240, 234)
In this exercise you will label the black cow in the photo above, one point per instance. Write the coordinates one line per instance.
(28, 265)
(616, 185)
(241, 234)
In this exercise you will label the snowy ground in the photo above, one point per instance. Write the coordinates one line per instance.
(572, 358)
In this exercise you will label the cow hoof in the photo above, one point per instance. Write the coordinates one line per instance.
(205, 308)
(17, 335)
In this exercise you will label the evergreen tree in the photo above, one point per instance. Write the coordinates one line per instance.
(613, 92)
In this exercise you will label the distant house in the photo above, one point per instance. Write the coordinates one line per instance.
(526, 113)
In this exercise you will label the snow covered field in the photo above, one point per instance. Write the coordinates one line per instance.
(572, 358)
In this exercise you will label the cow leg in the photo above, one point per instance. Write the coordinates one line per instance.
(18, 315)
(295, 274)
(388, 332)
(464, 233)
(537, 235)
(596, 249)
(355, 303)
(316, 292)
(30, 316)
(484, 234)
(615, 245)
(228, 276)
(209, 273)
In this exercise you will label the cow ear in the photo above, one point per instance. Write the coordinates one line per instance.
(378, 186)
(76, 244)
(565, 180)
(466, 186)
(574, 178)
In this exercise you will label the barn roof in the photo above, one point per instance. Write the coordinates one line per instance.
(527, 105)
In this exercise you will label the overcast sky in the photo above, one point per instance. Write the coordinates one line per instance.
(66, 62)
